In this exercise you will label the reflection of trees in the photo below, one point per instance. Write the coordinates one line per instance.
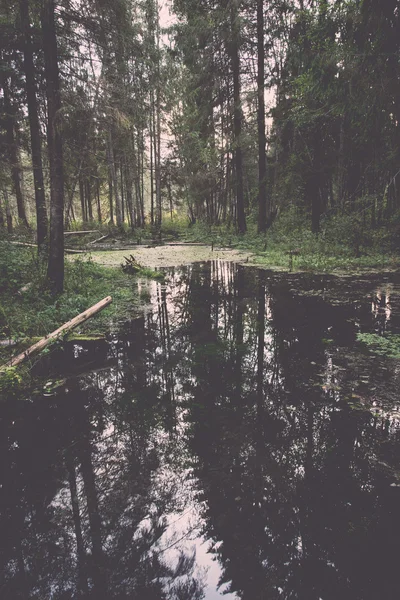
(292, 502)
(227, 379)
(91, 508)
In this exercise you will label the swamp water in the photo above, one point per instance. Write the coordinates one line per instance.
(234, 439)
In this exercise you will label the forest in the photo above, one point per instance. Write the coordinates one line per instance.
(276, 118)
(199, 299)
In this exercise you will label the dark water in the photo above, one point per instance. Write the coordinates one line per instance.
(233, 439)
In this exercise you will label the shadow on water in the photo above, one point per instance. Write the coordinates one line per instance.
(235, 439)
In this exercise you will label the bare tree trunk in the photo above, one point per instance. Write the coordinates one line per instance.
(2, 222)
(158, 123)
(8, 212)
(82, 197)
(110, 197)
(262, 142)
(123, 194)
(237, 116)
(55, 269)
(13, 153)
(98, 200)
(129, 198)
(151, 161)
(113, 173)
(34, 125)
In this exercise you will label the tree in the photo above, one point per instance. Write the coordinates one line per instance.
(55, 271)
(262, 159)
(36, 146)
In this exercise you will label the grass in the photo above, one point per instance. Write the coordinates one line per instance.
(387, 345)
(343, 244)
(34, 312)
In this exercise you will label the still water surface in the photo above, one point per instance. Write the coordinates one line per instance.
(235, 441)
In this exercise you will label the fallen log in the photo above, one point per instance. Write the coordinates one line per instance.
(72, 251)
(100, 239)
(24, 244)
(66, 250)
(81, 232)
(90, 312)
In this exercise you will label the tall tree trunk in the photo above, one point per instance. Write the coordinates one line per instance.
(2, 222)
(123, 195)
(158, 121)
(113, 173)
(98, 200)
(129, 197)
(34, 125)
(151, 161)
(237, 116)
(8, 212)
(110, 196)
(262, 142)
(82, 198)
(13, 153)
(55, 270)
(89, 199)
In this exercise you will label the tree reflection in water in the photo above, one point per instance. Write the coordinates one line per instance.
(233, 412)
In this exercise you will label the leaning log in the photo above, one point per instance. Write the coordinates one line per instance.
(100, 239)
(90, 312)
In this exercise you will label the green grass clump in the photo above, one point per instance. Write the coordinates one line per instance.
(30, 310)
(387, 345)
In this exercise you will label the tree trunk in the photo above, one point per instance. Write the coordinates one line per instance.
(2, 222)
(114, 179)
(55, 270)
(98, 200)
(13, 154)
(110, 197)
(82, 197)
(262, 142)
(8, 212)
(158, 123)
(237, 117)
(34, 125)
(151, 161)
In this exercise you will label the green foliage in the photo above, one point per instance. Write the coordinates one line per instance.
(344, 243)
(387, 345)
(10, 381)
(34, 312)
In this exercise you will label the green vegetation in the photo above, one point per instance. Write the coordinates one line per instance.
(386, 345)
(27, 308)
(344, 243)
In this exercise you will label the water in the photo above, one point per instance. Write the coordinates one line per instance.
(233, 440)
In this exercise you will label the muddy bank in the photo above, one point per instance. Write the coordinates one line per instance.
(167, 256)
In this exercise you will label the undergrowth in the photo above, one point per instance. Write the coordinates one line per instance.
(27, 309)
(343, 243)
(387, 345)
